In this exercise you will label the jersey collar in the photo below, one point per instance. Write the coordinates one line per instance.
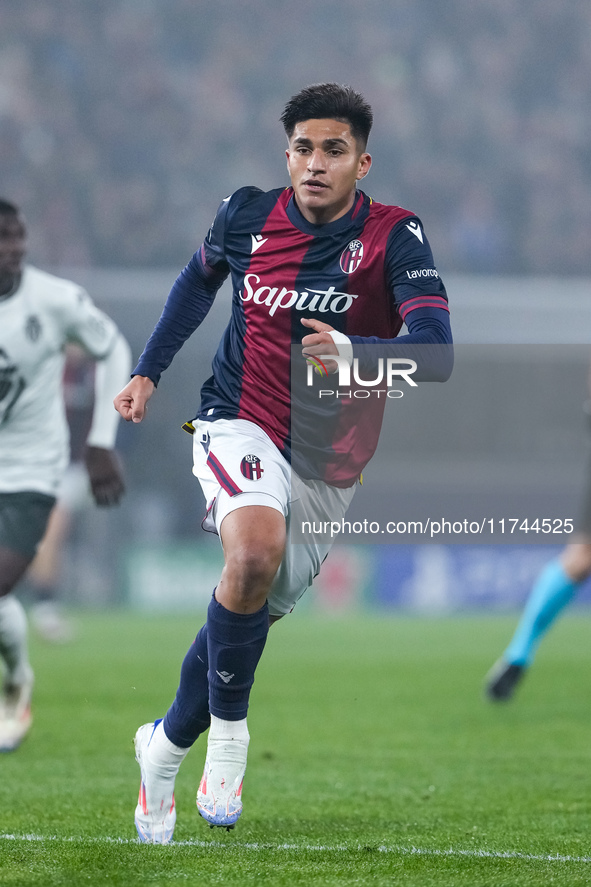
(352, 217)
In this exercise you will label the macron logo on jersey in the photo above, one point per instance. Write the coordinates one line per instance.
(308, 300)
(415, 229)
(257, 241)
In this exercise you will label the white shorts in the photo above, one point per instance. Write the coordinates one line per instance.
(237, 465)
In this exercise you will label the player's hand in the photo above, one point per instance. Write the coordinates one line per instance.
(319, 342)
(105, 474)
(131, 400)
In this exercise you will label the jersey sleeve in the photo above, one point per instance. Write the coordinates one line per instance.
(213, 248)
(88, 326)
(214, 245)
(416, 287)
(420, 300)
(187, 305)
(410, 269)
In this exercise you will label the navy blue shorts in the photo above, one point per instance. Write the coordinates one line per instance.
(23, 520)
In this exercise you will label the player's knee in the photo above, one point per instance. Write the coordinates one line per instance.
(255, 567)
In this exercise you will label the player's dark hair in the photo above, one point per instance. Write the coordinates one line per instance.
(331, 101)
(7, 208)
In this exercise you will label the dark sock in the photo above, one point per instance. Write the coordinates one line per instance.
(188, 716)
(235, 643)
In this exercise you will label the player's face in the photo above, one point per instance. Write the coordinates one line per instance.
(13, 237)
(325, 163)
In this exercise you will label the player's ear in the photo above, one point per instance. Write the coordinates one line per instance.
(364, 165)
(288, 158)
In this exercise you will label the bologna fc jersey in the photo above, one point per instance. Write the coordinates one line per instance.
(364, 274)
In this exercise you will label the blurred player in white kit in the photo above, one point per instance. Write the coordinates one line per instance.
(39, 315)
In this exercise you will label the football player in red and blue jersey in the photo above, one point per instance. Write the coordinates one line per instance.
(322, 266)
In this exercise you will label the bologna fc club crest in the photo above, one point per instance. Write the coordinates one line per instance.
(251, 468)
(351, 257)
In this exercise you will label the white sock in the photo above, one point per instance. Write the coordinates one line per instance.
(227, 741)
(228, 730)
(13, 641)
(162, 760)
(164, 754)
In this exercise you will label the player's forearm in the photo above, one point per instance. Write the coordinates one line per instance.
(429, 342)
(426, 326)
(112, 373)
(188, 303)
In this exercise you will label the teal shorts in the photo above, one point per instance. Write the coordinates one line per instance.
(23, 520)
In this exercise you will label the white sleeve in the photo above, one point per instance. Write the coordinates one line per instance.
(89, 326)
(112, 374)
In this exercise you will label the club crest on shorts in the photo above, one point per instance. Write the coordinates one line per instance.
(251, 468)
(351, 257)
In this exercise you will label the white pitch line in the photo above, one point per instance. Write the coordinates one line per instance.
(323, 848)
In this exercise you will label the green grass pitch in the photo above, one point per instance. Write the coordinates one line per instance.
(374, 760)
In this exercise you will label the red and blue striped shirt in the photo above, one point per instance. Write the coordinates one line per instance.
(364, 274)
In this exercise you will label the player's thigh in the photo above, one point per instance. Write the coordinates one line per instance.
(238, 466)
(23, 520)
(253, 539)
(312, 500)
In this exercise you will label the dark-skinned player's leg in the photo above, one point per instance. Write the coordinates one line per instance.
(15, 706)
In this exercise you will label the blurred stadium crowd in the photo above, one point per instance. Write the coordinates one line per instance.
(123, 122)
